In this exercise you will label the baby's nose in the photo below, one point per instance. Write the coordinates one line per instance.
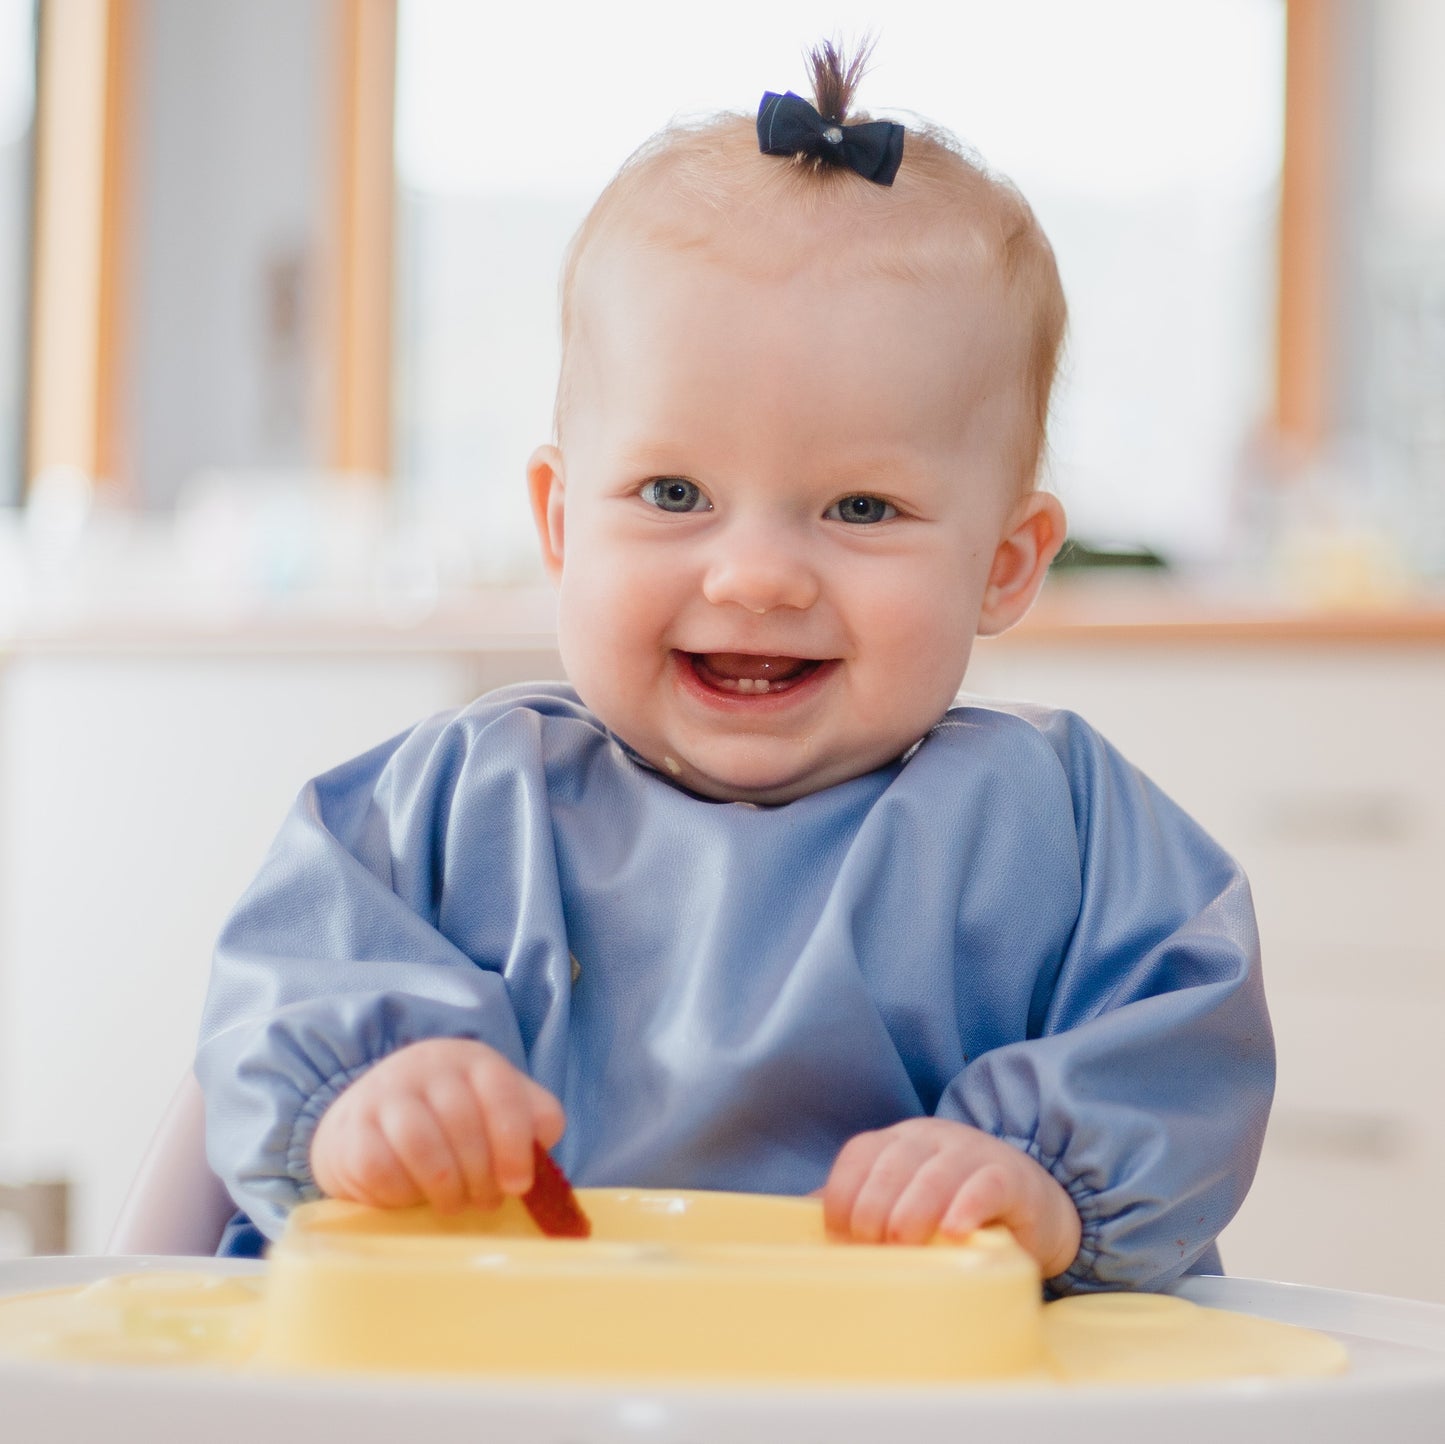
(760, 574)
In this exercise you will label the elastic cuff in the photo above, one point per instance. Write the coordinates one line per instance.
(298, 1153)
(1079, 1276)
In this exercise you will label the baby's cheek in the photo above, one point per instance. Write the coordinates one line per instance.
(612, 653)
(623, 609)
(590, 631)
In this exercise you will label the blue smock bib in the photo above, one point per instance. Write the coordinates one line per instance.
(1010, 927)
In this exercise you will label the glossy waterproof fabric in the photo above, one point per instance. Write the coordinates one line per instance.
(1011, 927)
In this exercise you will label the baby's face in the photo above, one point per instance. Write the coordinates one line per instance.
(776, 513)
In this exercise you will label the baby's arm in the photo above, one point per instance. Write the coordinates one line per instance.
(447, 1121)
(932, 1175)
(1142, 1079)
(1110, 1020)
(363, 935)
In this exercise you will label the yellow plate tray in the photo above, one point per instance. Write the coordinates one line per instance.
(676, 1284)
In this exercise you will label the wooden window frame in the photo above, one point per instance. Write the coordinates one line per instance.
(83, 186)
(1307, 305)
(362, 227)
(83, 191)
(76, 230)
(1307, 263)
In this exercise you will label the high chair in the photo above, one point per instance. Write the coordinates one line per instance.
(176, 1205)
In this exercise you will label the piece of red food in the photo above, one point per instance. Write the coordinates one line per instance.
(551, 1202)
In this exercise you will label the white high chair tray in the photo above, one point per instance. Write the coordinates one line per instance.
(1395, 1391)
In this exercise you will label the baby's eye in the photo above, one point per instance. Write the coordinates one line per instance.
(861, 508)
(672, 493)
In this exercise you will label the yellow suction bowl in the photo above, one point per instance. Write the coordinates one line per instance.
(676, 1284)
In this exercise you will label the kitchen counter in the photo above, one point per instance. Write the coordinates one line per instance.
(1144, 609)
(1154, 608)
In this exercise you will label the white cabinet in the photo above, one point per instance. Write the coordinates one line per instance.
(1319, 766)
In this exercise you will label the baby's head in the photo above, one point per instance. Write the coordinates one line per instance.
(799, 423)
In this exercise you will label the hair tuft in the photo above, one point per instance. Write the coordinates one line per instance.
(835, 77)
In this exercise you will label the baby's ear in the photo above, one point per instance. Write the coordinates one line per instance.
(1032, 537)
(547, 485)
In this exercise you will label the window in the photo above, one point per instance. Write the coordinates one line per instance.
(1147, 137)
(17, 115)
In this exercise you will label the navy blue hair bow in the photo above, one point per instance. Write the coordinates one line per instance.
(788, 125)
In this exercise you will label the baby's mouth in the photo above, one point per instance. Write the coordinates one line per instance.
(748, 674)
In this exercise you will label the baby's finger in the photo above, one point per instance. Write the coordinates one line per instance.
(455, 1108)
(417, 1139)
(549, 1121)
(986, 1196)
(504, 1097)
(892, 1172)
(920, 1208)
(847, 1176)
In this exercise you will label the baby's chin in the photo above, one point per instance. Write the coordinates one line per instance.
(724, 790)
(758, 782)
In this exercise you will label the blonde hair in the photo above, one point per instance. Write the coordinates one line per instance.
(703, 185)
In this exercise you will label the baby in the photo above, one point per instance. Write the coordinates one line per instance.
(750, 904)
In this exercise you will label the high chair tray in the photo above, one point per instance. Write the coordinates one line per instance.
(1395, 1391)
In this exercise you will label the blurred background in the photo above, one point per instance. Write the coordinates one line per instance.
(277, 333)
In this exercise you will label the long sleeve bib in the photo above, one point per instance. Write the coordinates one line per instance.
(1011, 928)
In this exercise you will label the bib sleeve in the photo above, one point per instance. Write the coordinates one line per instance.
(334, 958)
(1146, 1090)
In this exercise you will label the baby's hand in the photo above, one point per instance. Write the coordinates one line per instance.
(929, 1175)
(448, 1122)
